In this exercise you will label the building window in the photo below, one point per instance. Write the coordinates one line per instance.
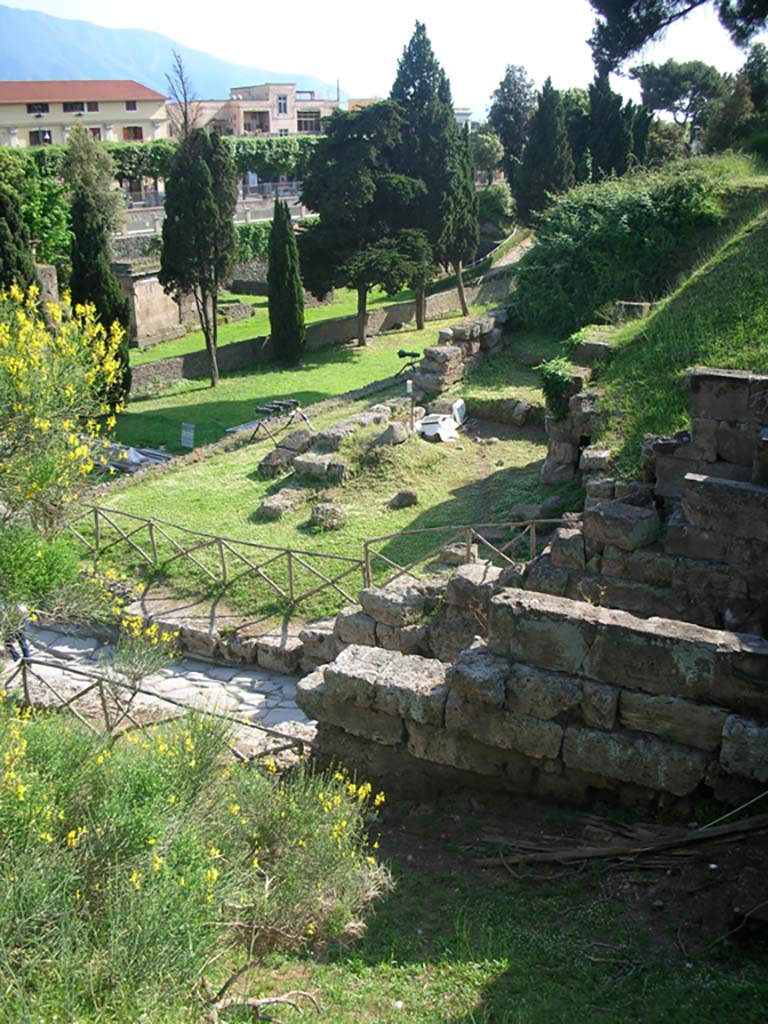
(73, 108)
(308, 121)
(282, 132)
(282, 104)
(133, 133)
(37, 108)
(95, 134)
(40, 137)
(92, 106)
(130, 105)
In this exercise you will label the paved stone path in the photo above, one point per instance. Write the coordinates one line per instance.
(265, 698)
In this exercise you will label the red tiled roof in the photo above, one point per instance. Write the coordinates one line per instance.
(69, 91)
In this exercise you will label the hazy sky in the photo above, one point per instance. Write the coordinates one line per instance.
(360, 43)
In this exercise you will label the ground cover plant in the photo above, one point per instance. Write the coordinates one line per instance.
(717, 318)
(136, 868)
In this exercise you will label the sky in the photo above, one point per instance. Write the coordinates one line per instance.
(359, 43)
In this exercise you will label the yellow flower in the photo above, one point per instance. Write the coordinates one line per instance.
(234, 809)
(135, 880)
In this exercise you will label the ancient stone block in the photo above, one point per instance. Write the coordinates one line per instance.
(563, 451)
(453, 630)
(682, 538)
(399, 603)
(285, 500)
(312, 465)
(600, 486)
(647, 565)
(730, 507)
(353, 626)
(567, 549)
(745, 748)
(195, 639)
(532, 691)
(672, 471)
(319, 640)
(736, 442)
(279, 653)
(718, 394)
(396, 433)
(479, 676)
(553, 472)
(313, 698)
(471, 586)
(758, 399)
(599, 704)
(704, 439)
(695, 725)
(595, 460)
(297, 441)
(327, 515)
(621, 525)
(445, 353)
(458, 553)
(541, 630)
(545, 577)
(413, 639)
(645, 761)
(505, 730)
(460, 751)
(278, 461)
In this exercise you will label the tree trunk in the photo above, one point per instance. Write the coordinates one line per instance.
(362, 318)
(421, 305)
(203, 312)
(460, 288)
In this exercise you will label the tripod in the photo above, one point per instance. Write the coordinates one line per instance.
(288, 410)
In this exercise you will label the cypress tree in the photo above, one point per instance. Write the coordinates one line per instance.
(16, 263)
(286, 295)
(93, 281)
(547, 162)
(610, 137)
(459, 212)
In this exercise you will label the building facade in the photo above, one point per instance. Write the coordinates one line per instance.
(43, 113)
(270, 109)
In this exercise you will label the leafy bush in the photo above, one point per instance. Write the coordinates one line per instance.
(622, 239)
(556, 385)
(130, 867)
(32, 566)
(253, 240)
(758, 144)
(497, 206)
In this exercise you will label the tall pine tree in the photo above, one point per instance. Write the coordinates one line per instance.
(92, 279)
(16, 263)
(513, 106)
(286, 295)
(547, 162)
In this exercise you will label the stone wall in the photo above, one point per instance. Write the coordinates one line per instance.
(155, 316)
(564, 700)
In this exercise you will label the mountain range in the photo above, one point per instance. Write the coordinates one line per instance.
(36, 46)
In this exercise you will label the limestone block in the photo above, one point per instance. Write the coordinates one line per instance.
(352, 676)
(718, 394)
(396, 433)
(695, 725)
(458, 553)
(595, 460)
(730, 507)
(312, 465)
(672, 471)
(313, 698)
(278, 461)
(413, 639)
(541, 630)
(453, 630)
(647, 565)
(330, 439)
(600, 486)
(546, 577)
(196, 639)
(682, 538)
(328, 516)
(736, 442)
(505, 730)
(479, 676)
(445, 336)
(644, 761)
(473, 585)
(599, 704)
(279, 653)
(460, 751)
(353, 626)
(297, 441)
(336, 470)
(568, 549)
(284, 501)
(319, 641)
(621, 525)
(399, 603)
(445, 354)
(532, 691)
(745, 748)
(704, 439)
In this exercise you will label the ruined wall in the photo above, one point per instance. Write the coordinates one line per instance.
(565, 701)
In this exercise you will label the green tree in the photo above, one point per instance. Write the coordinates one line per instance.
(88, 164)
(666, 143)
(547, 162)
(756, 71)
(610, 137)
(16, 263)
(576, 110)
(362, 200)
(685, 90)
(459, 229)
(624, 26)
(286, 295)
(93, 281)
(198, 231)
(487, 151)
(731, 116)
(512, 107)
(44, 206)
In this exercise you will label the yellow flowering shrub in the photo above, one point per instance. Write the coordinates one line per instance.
(56, 367)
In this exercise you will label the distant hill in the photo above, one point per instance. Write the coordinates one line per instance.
(38, 46)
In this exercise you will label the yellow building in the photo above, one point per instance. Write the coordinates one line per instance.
(42, 113)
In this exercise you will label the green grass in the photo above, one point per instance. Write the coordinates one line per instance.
(320, 375)
(344, 304)
(719, 317)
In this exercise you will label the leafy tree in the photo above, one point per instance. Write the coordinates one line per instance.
(92, 281)
(428, 151)
(683, 90)
(666, 143)
(44, 207)
(198, 231)
(756, 71)
(514, 103)
(460, 233)
(624, 26)
(487, 151)
(88, 164)
(547, 162)
(731, 115)
(363, 202)
(16, 263)
(576, 110)
(610, 138)
(639, 120)
(286, 295)
(496, 205)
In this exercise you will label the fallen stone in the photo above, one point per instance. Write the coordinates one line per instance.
(312, 465)
(328, 516)
(396, 433)
(297, 441)
(285, 500)
(276, 462)
(458, 553)
(404, 499)
(520, 413)
(330, 439)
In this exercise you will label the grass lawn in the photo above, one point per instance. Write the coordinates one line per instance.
(320, 375)
(510, 375)
(344, 304)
